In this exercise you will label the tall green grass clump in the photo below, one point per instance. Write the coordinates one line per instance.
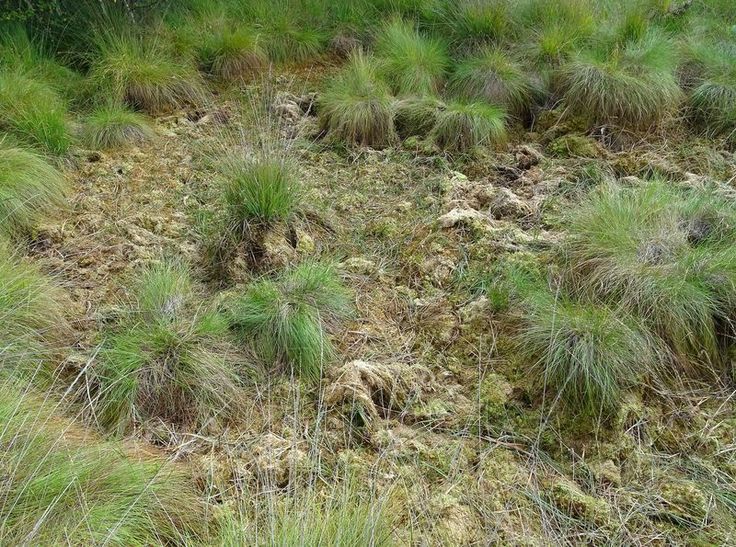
(169, 357)
(417, 115)
(493, 76)
(112, 126)
(473, 23)
(259, 192)
(21, 54)
(143, 73)
(224, 46)
(554, 30)
(624, 82)
(664, 254)
(464, 125)
(411, 62)
(291, 31)
(356, 107)
(31, 190)
(712, 100)
(33, 328)
(33, 112)
(61, 485)
(288, 319)
(585, 353)
(233, 53)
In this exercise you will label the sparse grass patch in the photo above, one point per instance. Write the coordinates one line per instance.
(411, 61)
(356, 107)
(341, 518)
(33, 112)
(31, 190)
(493, 76)
(112, 126)
(465, 125)
(664, 254)
(288, 319)
(630, 84)
(169, 358)
(33, 326)
(142, 73)
(60, 485)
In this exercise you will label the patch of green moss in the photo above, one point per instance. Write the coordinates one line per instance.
(574, 146)
(494, 394)
(569, 499)
(683, 503)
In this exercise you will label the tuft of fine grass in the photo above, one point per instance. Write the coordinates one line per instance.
(464, 125)
(62, 484)
(33, 112)
(341, 517)
(33, 328)
(260, 191)
(21, 54)
(292, 32)
(411, 62)
(356, 107)
(629, 84)
(31, 190)
(664, 254)
(417, 115)
(287, 320)
(493, 76)
(169, 358)
(142, 73)
(474, 23)
(586, 354)
(113, 126)
(233, 53)
(712, 100)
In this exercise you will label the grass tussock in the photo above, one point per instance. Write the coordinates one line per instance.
(356, 107)
(259, 191)
(464, 125)
(625, 83)
(142, 73)
(33, 112)
(169, 358)
(474, 23)
(258, 194)
(33, 325)
(288, 319)
(665, 255)
(587, 354)
(114, 126)
(411, 62)
(233, 54)
(712, 100)
(31, 190)
(61, 485)
(21, 54)
(417, 115)
(493, 76)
